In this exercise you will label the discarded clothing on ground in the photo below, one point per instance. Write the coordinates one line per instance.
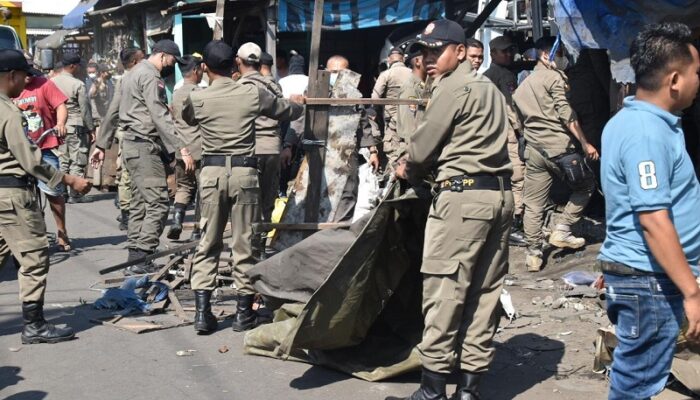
(125, 298)
(351, 299)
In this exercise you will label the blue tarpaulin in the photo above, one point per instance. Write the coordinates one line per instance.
(613, 24)
(298, 15)
(75, 18)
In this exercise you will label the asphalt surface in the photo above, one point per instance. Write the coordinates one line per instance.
(106, 363)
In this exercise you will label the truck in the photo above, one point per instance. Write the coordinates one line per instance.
(13, 25)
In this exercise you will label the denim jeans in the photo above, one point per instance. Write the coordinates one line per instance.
(647, 312)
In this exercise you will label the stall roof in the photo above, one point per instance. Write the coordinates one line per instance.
(75, 18)
(55, 40)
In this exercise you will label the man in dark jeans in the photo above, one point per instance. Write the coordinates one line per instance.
(652, 245)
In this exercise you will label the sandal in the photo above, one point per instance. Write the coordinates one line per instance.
(62, 242)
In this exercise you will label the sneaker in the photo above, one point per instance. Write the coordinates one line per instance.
(533, 260)
(561, 237)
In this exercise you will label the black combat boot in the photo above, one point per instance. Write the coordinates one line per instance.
(204, 321)
(176, 227)
(467, 386)
(124, 220)
(196, 234)
(37, 330)
(245, 317)
(141, 268)
(432, 387)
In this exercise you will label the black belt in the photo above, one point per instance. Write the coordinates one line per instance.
(615, 268)
(236, 161)
(9, 181)
(462, 183)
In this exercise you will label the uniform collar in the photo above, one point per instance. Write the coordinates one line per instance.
(66, 74)
(5, 98)
(674, 121)
(396, 64)
(540, 66)
(251, 73)
(150, 66)
(224, 80)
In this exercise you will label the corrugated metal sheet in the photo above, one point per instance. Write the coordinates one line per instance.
(45, 7)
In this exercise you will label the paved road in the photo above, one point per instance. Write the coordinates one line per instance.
(105, 363)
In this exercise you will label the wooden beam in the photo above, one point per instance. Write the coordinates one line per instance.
(316, 130)
(313, 226)
(315, 41)
(313, 101)
(219, 22)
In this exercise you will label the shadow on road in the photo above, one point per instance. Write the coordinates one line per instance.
(522, 362)
(316, 377)
(28, 395)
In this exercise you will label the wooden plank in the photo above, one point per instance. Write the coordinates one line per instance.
(177, 306)
(316, 155)
(312, 101)
(219, 24)
(305, 226)
(315, 51)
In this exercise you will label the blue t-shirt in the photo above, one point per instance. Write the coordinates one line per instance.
(645, 167)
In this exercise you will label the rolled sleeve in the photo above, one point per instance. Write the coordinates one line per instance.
(557, 90)
(647, 167)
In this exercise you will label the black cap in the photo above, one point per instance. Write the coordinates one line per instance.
(71, 59)
(218, 56)
(396, 50)
(167, 46)
(501, 43)
(266, 59)
(439, 33)
(14, 60)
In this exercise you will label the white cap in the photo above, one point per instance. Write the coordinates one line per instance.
(250, 52)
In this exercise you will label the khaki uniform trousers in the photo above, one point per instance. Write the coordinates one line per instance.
(517, 180)
(186, 183)
(269, 169)
(226, 193)
(23, 233)
(124, 183)
(539, 176)
(465, 259)
(74, 152)
(148, 210)
(393, 146)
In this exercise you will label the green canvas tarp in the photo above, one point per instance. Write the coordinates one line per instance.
(350, 300)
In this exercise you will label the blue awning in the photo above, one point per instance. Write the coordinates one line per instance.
(76, 17)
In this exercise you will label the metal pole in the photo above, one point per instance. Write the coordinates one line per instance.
(537, 30)
(271, 35)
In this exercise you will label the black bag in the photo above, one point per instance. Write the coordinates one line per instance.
(574, 167)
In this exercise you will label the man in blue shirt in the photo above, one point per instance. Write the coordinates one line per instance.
(652, 246)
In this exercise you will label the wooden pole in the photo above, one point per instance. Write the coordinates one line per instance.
(316, 127)
(219, 23)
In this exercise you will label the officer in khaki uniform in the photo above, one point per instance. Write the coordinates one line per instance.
(268, 141)
(388, 86)
(22, 228)
(462, 140)
(409, 116)
(80, 125)
(192, 73)
(226, 112)
(110, 129)
(550, 128)
(148, 144)
(502, 51)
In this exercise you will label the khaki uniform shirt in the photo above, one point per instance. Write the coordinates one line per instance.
(18, 156)
(79, 110)
(110, 121)
(143, 109)
(388, 86)
(100, 94)
(191, 135)
(267, 130)
(542, 105)
(409, 117)
(226, 112)
(463, 130)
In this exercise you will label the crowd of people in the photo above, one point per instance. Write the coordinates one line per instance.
(493, 147)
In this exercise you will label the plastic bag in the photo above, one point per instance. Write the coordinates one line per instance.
(368, 191)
